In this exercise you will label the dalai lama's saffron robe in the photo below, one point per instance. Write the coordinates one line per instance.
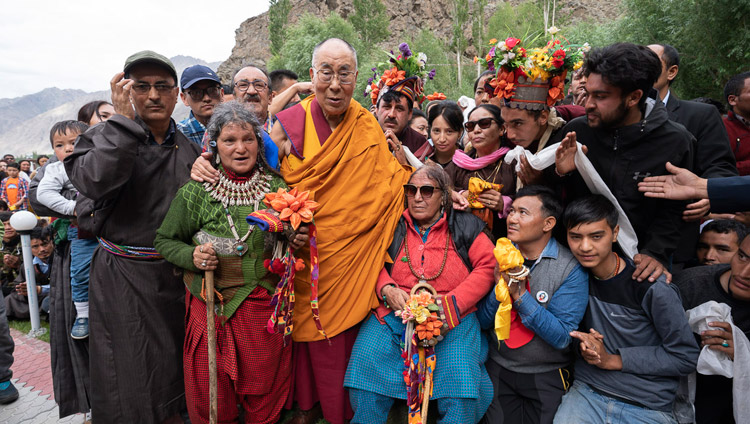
(359, 186)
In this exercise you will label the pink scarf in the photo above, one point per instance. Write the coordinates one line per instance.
(466, 162)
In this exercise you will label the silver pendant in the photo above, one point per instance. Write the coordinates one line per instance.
(240, 248)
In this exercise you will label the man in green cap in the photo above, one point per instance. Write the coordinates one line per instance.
(131, 167)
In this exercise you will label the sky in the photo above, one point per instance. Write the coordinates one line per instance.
(82, 43)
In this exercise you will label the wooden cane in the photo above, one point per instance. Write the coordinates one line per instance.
(426, 398)
(213, 389)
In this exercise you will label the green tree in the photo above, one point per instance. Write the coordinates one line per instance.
(711, 36)
(278, 14)
(524, 21)
(478, 29)
(460, 17)
(370, 20)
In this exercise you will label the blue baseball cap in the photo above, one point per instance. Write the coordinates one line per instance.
(197, 73)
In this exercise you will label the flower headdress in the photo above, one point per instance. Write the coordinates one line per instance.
(405, 73)
(533, 79)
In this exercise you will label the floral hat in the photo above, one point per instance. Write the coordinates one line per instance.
(405, 73)
(531, 79)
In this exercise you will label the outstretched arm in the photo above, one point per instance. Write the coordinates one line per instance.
(681, 185)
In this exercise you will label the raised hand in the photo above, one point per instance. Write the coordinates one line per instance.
(121, 87)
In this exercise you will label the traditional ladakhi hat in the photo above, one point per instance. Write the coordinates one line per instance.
(531, 79)
(405, 74)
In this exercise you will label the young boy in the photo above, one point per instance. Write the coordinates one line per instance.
(54, 192)
(638, 342)
(14, 190)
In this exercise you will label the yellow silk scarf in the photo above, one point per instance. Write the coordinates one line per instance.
(508, 257)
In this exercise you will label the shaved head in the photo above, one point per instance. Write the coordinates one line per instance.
(333, 43)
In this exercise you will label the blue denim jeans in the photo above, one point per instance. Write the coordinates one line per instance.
(81, 251)
(583, 405)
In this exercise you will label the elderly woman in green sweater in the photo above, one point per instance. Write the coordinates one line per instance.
(206, 230)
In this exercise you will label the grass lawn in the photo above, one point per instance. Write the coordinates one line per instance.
(25, 327)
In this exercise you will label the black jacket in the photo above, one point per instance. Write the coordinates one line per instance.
(713, 157)
(713, 154)
(623, 157)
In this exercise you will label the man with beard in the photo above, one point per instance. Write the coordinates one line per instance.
(131, 166)
(627, 139)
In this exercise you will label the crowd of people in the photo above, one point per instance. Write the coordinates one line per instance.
(357, 254)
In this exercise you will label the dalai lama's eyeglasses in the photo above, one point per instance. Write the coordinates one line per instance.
(426, 190)
(327, 75)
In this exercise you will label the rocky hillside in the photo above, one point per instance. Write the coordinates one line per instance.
(253, 45)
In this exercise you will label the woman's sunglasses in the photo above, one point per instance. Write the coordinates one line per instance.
(425, 190)
(483, 123)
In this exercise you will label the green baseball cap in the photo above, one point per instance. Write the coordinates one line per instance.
(148, 56)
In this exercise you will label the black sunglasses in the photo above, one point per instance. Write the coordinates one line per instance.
(483, 123)
(197, 94)
(426, 190)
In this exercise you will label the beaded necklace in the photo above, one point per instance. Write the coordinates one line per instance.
(614, 272)
(422, 278)
(234, 190)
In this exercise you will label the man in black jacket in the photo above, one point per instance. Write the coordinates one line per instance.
(713, 155)
(628, 138)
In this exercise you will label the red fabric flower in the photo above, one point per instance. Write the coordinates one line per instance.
(511, 42)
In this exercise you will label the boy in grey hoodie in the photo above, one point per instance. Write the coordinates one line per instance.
(635, 341)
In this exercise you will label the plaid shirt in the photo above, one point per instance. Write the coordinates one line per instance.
(23, 190)
(192, 129)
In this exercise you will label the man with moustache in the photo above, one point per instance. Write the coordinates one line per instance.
(394, 111)
(200, 90)
(252, 88)
(131, 166)
(627, 139)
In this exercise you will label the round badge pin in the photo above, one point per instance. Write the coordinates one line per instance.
(542, 296)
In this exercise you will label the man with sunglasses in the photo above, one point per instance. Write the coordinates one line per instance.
(200, 90)
(131, 167)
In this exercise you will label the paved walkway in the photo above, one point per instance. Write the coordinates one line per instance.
(32, 377)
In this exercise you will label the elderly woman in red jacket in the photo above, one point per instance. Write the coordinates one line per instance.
(449, 251)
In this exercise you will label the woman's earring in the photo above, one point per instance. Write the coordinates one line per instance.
(216, 158)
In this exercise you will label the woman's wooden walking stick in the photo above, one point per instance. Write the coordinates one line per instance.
(213, 389)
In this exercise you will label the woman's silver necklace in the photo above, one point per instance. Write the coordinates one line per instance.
(246, 193)
(240, 245)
